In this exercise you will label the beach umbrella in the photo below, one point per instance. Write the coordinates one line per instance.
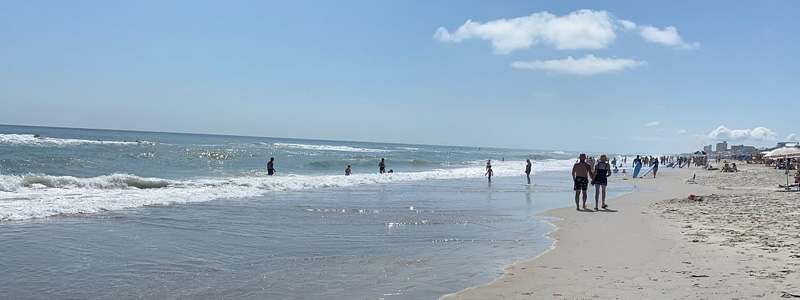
(785, 152)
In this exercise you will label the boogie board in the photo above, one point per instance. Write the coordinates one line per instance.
(636, 170)
(648, 170)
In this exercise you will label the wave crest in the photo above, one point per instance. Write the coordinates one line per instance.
(38, 195)
(39, 141)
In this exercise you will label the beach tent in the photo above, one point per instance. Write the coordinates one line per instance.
(785, 152)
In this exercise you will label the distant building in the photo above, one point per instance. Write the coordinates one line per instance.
(707, 149)
(786, 144)
(742, 149)
(722, 147)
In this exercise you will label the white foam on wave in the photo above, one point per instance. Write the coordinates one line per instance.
(38, 196)
(32, 140)
(327, 148)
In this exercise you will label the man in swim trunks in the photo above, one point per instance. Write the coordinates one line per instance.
(382, 165)
(271, 166)
(580, 176)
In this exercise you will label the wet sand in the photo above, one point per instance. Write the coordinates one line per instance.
(741, 241)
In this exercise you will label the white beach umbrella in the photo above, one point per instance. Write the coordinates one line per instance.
(785, 152)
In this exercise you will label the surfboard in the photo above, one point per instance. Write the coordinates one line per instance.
(636, 170)
(648, 170)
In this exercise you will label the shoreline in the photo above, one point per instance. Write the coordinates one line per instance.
(636, 251)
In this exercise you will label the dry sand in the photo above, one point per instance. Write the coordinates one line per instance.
(742, 241)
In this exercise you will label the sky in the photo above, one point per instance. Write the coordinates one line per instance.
(594, 76)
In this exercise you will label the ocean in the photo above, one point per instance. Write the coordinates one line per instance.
(105, 214)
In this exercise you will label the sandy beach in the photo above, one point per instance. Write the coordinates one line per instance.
(741, 241)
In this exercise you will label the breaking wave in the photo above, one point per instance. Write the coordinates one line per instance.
(40, 141)
(38, 195)
(327, 148)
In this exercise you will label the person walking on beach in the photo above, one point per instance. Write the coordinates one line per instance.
(580, 176)
(489, 173)
(601, 172)
(655, 168)
(382, 165)
(271, 166)
(347, 171)
(528, 171)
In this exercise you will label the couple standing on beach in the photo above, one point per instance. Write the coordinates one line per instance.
(582, 173)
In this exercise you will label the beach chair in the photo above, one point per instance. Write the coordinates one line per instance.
(691, 180)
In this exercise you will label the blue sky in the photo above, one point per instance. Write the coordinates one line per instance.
(574, 75)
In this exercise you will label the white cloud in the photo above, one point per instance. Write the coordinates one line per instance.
(627, 25)
(667, 36)
(651, 124)
(583, 29)
(588, 65)
(792, 138)
(682, 131)
(755, 134)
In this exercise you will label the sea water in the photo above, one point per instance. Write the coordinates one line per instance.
(99, 214)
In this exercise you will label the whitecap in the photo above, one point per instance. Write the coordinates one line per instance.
(35, 140)
(38, 195)
(327, 148)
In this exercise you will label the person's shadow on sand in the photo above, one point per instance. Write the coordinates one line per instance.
(607, 210)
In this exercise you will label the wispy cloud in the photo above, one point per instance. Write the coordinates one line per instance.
(667, 36)
(627, 25)
(792, 138)
(682, 131)
(588, 65)
(651, 124)
(583, 29)
(755, 134)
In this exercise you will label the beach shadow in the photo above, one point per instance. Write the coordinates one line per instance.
(586, 210)
(608, 210)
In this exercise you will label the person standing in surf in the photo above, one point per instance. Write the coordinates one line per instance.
(347, 171)
(271, 166)
(382, 166)
(489, 173)
(488, 164)
(601, 172)
(580, 176)
(528, 171)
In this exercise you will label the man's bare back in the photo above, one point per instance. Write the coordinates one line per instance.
(580, 169)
